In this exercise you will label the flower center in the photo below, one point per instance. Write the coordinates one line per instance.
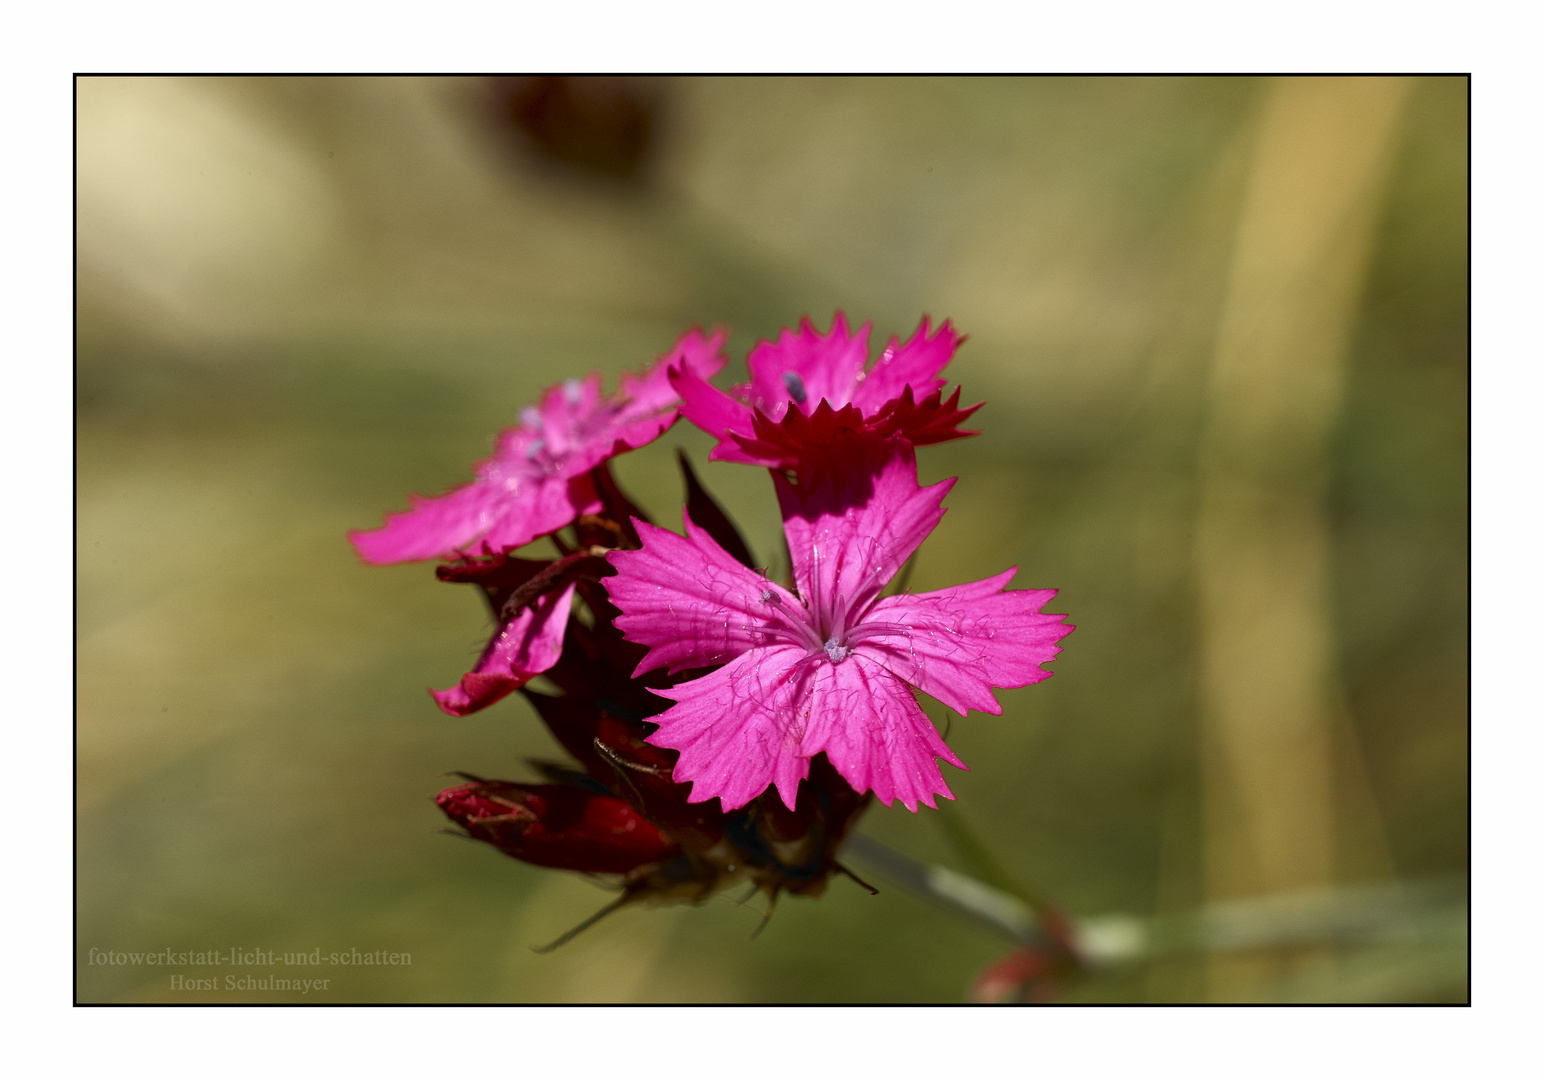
(795, 387)
(836, 650)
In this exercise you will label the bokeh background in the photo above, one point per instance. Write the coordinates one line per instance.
(1220, 326)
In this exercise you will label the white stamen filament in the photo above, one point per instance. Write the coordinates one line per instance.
(864, 631)
(789, 625)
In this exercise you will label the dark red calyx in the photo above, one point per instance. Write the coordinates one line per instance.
(556, 825)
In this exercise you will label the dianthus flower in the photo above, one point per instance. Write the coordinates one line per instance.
(809, 388)
(782, 709)
(537, 480)
(828, 669)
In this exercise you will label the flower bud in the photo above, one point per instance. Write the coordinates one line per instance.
(556, 825)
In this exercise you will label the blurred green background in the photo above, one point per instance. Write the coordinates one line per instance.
(300, 299)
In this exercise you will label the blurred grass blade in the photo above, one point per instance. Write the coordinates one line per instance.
(1415, 913)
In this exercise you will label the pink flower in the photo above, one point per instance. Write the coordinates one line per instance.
(901, 393)
(829, 669)
(537, 480)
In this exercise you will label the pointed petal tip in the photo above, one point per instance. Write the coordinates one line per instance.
(789, 797)
(713, 339)
(357, 539)
(453, 702)
(386, 546)
(929, 800)
(476, 691)
(699, 793)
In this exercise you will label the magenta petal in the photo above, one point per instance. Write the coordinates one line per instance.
(957, 644)
(900, 393)
(694, 353)
(737, 455)
(651, 398)
(566, 416)
(527, 645)
(854, 526)
(708, 407)
(511, 503)
(576, 428)
(543, 507)
(875, 734)
(692, 602)
(739, 728)
(823, 366)
(631, 435)
(915, 364)
(432, 527)
(531, 485)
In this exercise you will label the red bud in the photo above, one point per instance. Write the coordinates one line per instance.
(555, 825)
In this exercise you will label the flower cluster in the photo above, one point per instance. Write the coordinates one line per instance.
(725, 726)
